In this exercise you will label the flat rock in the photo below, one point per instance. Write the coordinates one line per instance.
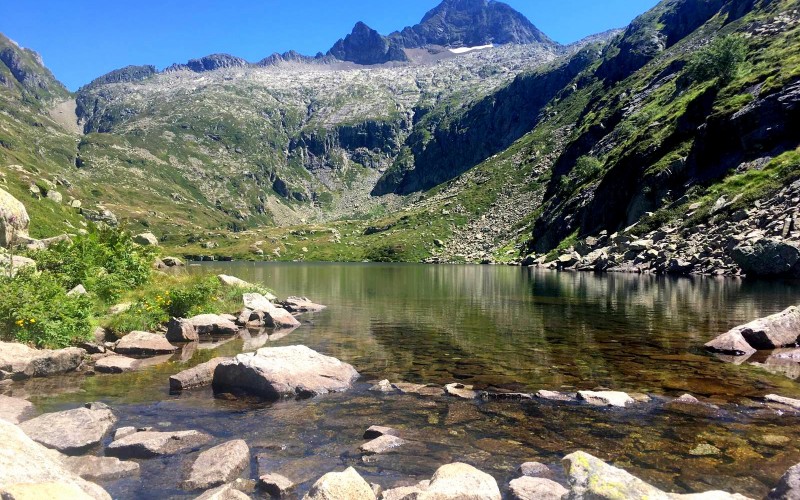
(382, 444)
(19, 362)
(554, 396)
(100, 468)
(15, 410)
(149, 444)
(273, 372)
(301, 305)
(70, 431)
(421, 389)
(144, 344)
(31, 471)
(116, 364)
(774, 398)
(606, 398)
(213, 324)
(224, 492)
(278, 318)
(731, 343)
(535, 469)
(536, 488)
(124, 431)
(377, 431)
(339, 486)
(460, 391)
(181, 330)
(275, 485)
(199, 376)
(218, 465)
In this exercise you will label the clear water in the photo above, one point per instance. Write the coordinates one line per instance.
(495, 328)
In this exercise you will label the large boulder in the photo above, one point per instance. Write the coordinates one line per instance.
(70, 431)
(340, 485)
(147, 444)
(274, 317)
(18, 361)
(213, 324)
(14, 220)
(198, 376)
(15, 410)
(180, 330)
(218, 465)
(788, 487)
(273, 372)
(778, 330)
(146, 240)
(768, 257)
(144, 344)
(536, 488)
(28, 468)
(460, 481)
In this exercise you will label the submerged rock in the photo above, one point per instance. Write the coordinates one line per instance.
(778, 330)
(461, 391)
(273, 372)
(536, 488)
(377, 431)
(19, 362)
(15, 410)
(535, 469)
(100, 468)
(70, 431)
(149, 444)
(382, 444)
(554, 396)
(606, 398)
(29, 470)
(218, 465)
(116, 364)
(144, 344)
(421, 389)
(341, 485)
(301, 305)
(198, 376)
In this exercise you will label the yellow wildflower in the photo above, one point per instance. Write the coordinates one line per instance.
(32, 320)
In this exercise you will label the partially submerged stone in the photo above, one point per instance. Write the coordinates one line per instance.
(144, 344)
(29, 470)
(341, 485)
(590, 477)
(273, 372)
(377, 431)
(535, 469)
(606, 398)
(778, 330)
(116, 364)
(19, 362)
(382, 444)
(181, 330)
(788, 488)
(224, 492)
(275, 485)
(554, 396)
(774, 398)
(15, 410)
(301, 305)
(536, 488)
(421, 389)
(218, 465)
(199, 376)
(70, 431)
(100, 468)
(149, 444)
(213, 324)
(383, 386)
(461, 391)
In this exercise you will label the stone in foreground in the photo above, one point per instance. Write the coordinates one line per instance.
(19, 362)
(199, 376)
(458, 480)
(778, 330)
(275, 485)
(606, 398)
(100, 468)
(218, 465)
(339, 486)
(149, 444)
(70, 431)
(144, 344)
(788, 487)
(15, 410)
(180, 330)
(536, 488)
(225, 492)
(273, 372)
(382, 444)
(29, 470)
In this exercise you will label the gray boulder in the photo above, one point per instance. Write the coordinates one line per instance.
(536, 488)
(218, 465)
(149, 444)
(180, 330)
(340, 485)
(19, 362)
(224, 492)
(146, 239)
(29, 470)
(273, 372)
(768, 257)
(144, 344)
(70, 431)
(116, 364)
(100, 468)
(275, 485)
(778, 330)
(382, 444)
(199, 376)
(213, 324)
(788, 487)
(15, 410)
(14, 220)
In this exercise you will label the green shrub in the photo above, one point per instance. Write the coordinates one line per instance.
(721, 59)
(37, 310)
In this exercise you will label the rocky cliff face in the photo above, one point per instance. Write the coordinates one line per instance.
(366, 46)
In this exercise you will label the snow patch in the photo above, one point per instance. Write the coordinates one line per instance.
(464, 50)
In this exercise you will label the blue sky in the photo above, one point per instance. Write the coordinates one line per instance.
(82, 39)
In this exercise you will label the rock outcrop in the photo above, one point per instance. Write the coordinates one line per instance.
(274, 372)
(768, 257)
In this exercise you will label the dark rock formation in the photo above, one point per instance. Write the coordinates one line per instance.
(210, 63)
(364, 45)
(126, 74)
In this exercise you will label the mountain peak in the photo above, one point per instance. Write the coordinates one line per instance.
(364, 45)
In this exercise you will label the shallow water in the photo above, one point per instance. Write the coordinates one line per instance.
(498, 328)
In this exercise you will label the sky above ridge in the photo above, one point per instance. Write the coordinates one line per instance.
(83, 39)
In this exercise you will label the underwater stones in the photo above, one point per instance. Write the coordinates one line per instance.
(198, 376)
(70, 431)
(15, 410)
(536, 488)
(606, 398)
(147, 444)
(94, 468)
(218, 465)
(421, 389)
(377, 431)
(704, 450)
(273, 372)
(339, 485)
(144, 344)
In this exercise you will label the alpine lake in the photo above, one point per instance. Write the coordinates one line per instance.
(500, 329)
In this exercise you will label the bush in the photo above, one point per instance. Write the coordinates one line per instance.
(37, 310)
(721, 59)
